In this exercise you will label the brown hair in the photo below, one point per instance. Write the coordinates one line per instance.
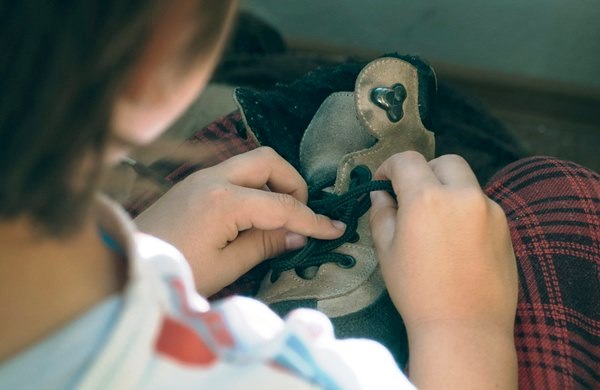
(62, 66)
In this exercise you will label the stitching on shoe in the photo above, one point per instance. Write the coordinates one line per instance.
(367, 71)
(341, 290)
(343, 171)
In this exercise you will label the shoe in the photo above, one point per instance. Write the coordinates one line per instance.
(349, 137)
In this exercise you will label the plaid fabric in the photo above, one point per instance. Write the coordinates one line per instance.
(553, 208)
(218, 141)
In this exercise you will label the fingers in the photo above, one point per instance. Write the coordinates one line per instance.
(408, 172)
(249, 249)
(255, 245)
(241, 255)
(412, 176)
(453, 170)
(269, 210)
(263, 166)
(383, 219)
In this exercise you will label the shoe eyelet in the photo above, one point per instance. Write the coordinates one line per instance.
(361, 173)
(274, 276)
(307, 273)
(347, 262)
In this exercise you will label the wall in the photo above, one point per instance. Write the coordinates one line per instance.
(547, 39)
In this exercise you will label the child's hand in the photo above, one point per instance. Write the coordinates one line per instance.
(447, 260)
(225, 221)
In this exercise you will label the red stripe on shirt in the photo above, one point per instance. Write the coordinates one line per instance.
(180, 342)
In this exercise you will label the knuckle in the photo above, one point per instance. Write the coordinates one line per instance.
(218, 195)
(302, 184)
(271, 245)
(471, 198)
(196, 178)
(315, 223)
(452, 158)
(267, 152)
(404, 157)
(288, 202)
(410, 155)
(234, 160)
(318, 219)
(471, 194)
(268, 158)
(429, 195)
(461, 200)
(395, 160)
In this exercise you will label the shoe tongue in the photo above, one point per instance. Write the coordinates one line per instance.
(333, 133)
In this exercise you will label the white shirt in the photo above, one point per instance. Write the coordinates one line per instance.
(161, 334)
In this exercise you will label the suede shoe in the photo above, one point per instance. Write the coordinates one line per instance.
(349, 137)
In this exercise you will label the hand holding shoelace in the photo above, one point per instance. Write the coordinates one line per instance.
(447, 260)
(225, 221)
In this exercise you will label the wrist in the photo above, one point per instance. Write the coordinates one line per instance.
(457, 354)
(461, 327)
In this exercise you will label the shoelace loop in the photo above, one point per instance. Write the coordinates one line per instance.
(348, 208)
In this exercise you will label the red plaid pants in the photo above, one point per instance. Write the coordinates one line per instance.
(553, 211)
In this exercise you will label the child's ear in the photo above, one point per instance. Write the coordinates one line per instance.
(155, 90)
(159, 87)
(156, 95)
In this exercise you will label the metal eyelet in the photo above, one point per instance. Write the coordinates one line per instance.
(390, 99)
(347, 262)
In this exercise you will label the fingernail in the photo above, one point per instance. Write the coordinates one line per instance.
(339, 225)
(375, 196)
(294, 241)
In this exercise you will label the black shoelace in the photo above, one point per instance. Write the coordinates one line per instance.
(348, 208)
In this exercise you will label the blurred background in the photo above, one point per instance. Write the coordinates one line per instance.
(534, 64)
(517, 77)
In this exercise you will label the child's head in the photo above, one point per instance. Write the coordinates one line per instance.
(82, 82)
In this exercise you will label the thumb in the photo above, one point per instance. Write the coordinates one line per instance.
(255, 245)
(383, 219)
